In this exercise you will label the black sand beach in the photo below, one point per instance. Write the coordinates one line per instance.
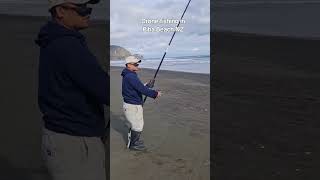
(176, 129)
(265, 107)
(20, 117)
(265, 101)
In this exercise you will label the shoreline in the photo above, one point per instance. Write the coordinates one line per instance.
(165, 71)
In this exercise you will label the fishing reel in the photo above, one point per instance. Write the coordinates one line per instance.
(150, 84)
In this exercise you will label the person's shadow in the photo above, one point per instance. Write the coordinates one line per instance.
(119, 123)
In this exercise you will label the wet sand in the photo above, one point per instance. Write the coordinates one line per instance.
(176, 129)
(265, 107)
(20, 117)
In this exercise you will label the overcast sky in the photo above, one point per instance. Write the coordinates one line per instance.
(126, 27)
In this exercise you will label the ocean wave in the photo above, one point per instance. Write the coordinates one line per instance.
(181, 64)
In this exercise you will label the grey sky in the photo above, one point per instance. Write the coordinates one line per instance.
(126, 26)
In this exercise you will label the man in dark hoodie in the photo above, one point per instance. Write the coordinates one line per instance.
(73, 88)
(132, 91)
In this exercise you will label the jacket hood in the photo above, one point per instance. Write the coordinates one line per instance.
(126, 71)
(52, 31)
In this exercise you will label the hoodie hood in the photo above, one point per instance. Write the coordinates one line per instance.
(126, 71)
(52, 31)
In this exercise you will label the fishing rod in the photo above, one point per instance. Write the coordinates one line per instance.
(151, 82)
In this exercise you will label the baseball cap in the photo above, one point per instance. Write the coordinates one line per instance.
(132, 59)
(53, 3)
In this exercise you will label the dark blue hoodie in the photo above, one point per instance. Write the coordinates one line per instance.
(72, 85)
(133, 89)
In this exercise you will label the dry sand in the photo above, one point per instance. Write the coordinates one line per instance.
(176, 129)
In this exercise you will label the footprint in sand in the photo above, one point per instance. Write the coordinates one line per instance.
(165, 161)
(177, 165)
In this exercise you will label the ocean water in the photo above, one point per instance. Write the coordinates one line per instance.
(40, 8)
(293, 18)
(192, 64)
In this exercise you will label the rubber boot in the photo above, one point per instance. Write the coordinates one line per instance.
(135, 142)
(129, 139)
